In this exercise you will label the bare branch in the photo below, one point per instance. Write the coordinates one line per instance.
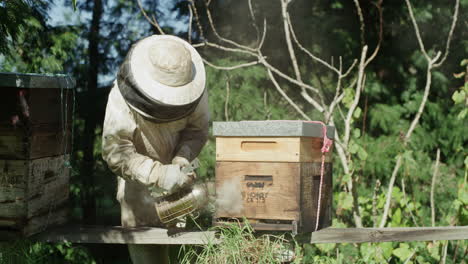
(254, 24)
(434, 177)
(449, 38)
(349, 69)
(357, 95)
(286, 97)
(210, 19)
(388, 200)
(229, 68)
(311, 100)
(326, 64)
(214, 45)
(416, 29)
(285, 76)
(287, 36)
(151, 21)
(361, 21)
(377, 48)
(337, 98)
(344, 162)
(405, 142)
(262, 40)
(415, 121)
(197, 18)
(198, 45)
(444, 253)
(189, 31)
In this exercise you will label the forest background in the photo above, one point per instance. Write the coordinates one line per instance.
(401, 160)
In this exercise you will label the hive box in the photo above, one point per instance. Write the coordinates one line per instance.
(35, 122)
(276, 165)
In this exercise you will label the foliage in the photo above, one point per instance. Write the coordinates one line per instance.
(14, 16)
(27, 252)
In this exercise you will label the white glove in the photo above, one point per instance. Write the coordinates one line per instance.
(172, 178)
(181, 161)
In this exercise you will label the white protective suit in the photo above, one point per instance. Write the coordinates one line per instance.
(139, 151)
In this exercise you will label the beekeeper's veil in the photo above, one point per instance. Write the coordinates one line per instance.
(162, 78)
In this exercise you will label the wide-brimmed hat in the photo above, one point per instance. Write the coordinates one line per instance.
(162, 78)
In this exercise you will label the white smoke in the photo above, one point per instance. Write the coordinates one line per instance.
(229, 197)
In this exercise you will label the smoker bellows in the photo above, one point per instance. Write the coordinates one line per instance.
(276, 165)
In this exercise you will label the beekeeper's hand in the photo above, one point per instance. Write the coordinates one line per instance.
(181, 161)
(173, 178)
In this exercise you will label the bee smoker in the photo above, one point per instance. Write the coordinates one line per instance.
(186, 200)
(183, 202)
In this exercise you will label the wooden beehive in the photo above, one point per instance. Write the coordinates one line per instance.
(276, 165)
(35, 124)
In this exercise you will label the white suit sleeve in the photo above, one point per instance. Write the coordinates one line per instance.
(118, 149)
(195, 135)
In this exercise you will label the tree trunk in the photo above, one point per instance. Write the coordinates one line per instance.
(87, 172)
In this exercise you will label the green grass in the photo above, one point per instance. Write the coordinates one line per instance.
(239, 244)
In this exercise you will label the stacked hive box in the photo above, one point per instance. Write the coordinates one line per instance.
(276, 165)
(35, 122)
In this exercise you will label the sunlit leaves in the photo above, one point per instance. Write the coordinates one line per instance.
(345, 200)
(403, 252)
(459, 96)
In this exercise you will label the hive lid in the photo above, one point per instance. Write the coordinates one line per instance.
(30, 80)
(272, 128)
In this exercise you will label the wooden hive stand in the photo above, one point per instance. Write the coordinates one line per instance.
(35, 132)
(277, 166)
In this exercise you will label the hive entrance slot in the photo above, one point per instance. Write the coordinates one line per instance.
(262, 178)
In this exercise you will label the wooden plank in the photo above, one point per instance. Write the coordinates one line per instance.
(13, 173)
(270, 149)
(152, 235)
(12, 209)
(37, 106)
(401, 234)
(269, 190)
(12, 193)
(45, 173)
(59, 102)
(55, 216)
(122, 235)
(34, 142)
(30, 190)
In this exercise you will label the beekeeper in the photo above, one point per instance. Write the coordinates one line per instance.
(156, 122)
